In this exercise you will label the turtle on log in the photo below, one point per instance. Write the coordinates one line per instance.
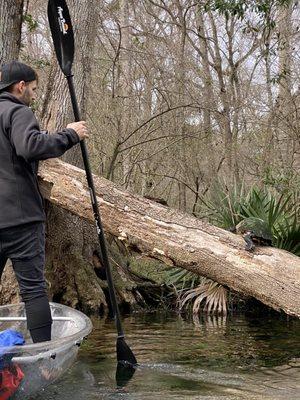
(254, 231)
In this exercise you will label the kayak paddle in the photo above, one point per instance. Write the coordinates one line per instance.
(63, 40)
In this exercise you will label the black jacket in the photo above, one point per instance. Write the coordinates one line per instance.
(22, 145)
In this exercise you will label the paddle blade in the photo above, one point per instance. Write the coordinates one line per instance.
(124, 353)
(62, 34)
(124, 373)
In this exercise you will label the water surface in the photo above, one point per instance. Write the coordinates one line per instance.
(237, 357)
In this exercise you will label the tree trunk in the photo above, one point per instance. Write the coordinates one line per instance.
(270, 275)
(287, 122)
(124, 95)
(58, 109)
(69, 269)
(180, 82)
(268, 145)
(11, 12)
(225, 100)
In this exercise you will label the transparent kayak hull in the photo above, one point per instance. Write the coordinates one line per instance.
(43, 363)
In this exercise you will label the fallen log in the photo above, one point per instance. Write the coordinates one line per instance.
(178, 239)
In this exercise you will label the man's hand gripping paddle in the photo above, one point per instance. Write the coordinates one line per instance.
(63, 39)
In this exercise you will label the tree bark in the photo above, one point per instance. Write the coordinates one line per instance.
(57, 111)
(69, 256)
(270, 275)
(11, 12)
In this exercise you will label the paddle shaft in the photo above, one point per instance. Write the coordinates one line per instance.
(96, 212)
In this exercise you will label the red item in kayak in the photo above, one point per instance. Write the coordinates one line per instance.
(10, 379)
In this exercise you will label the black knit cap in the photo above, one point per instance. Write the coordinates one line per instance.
(14, 72)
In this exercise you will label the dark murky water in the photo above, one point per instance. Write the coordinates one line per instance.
(214, 358)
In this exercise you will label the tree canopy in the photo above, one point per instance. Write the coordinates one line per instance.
(238, 7)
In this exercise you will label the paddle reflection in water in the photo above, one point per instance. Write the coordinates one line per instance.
(234, 358)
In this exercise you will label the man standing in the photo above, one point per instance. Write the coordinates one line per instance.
(22, 216)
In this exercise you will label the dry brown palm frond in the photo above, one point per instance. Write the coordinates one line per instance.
(212, 293)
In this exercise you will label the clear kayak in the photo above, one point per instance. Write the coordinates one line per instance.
(41, 364)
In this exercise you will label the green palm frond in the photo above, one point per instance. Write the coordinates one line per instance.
(223, 206)
(287, 235)
(181, 279)
(266, 206)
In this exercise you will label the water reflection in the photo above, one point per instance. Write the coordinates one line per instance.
(236, 357)
(124, 374)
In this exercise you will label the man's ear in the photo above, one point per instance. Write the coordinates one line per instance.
(21, 86)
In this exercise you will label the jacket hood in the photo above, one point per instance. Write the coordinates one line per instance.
(6, 96)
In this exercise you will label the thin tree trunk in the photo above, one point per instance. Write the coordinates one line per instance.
(181, 99)
(208, 93)
(269, 137)
(224, 96)
(285, 106)
(125, 92)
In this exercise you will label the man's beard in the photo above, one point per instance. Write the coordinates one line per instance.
(26, 97)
